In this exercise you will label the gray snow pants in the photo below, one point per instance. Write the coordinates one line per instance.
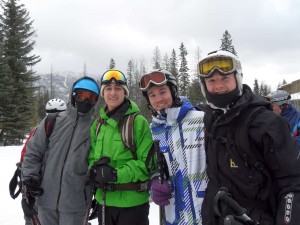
(54, 217)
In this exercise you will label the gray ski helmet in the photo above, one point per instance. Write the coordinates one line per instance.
(171, 82)
(237, 68)
(279, 97)
(55, 105)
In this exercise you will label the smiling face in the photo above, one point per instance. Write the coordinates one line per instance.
(160, 97)
(220, 84)
(114, 95)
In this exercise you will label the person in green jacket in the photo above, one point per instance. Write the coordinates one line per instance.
(120, 177)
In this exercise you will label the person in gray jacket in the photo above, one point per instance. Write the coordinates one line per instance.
(54, 173)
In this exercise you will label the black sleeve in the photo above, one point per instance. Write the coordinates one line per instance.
(281, 154)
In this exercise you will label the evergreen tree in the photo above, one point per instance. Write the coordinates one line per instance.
(6, 100)
(284, 82)
(174, 65)
(226, 44)
(156, 60)
(130, 72)
(264, 89)
(194, 93)
(166, 62)
(183, 71)
(43, 98)
(256, 87)
(17, 45)
(112, 64)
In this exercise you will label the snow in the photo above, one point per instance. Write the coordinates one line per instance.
(10, 210)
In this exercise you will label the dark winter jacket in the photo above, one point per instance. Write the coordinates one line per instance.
(228, 166)
(293, 117)
(61, 168)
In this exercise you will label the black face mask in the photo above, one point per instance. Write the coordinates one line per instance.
(223, 100)
(83, 107)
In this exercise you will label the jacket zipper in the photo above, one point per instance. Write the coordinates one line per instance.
(65, 159)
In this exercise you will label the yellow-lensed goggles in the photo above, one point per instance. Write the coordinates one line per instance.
(225, 65)
(115, 75)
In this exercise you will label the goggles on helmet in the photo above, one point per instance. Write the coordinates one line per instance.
(224, 64)
(156, 78)
(115, 75)
(82, 95)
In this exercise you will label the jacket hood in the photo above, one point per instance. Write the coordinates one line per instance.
(173, 114)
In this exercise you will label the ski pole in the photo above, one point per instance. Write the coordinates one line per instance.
(240, 212)
(103, 205)
(162, 214)
(35, 220)
(86, 217)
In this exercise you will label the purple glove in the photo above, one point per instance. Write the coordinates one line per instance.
(161, 193)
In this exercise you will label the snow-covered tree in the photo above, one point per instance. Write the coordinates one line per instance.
(226, 44)
(18, 44)
(183, 71)
(112, 64)
(174, 65)
(156, 59)
(256, 87)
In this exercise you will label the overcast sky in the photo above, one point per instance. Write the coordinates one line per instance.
(265, 33)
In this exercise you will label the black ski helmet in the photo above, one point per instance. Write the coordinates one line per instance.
(171, 82)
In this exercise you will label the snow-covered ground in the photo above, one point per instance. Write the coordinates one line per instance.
(10, 210)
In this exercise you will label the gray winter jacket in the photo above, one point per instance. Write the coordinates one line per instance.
(61, 168)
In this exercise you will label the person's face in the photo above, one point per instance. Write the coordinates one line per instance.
(114, 95)
(220, 84)
(276, 108)
(160, 97)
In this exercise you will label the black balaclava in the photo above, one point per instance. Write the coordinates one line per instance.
(223, 100)
(83, 106)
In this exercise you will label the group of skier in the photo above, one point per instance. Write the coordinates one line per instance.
(231, 160)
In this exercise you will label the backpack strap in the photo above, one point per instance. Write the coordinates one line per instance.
(252, 158)
(126, 128)
(49, 124)
(15, 182)
(100, 121)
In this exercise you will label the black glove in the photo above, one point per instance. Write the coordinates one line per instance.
(27, 206)
(33, 187)
(94, 209)
(103, 173)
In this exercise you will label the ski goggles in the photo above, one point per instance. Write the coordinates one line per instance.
(224, 64)
(115, 75)
(155, 78)
(82, 95)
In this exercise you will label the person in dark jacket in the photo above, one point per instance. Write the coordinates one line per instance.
(261, 169)
(282, 105)
(55, 172)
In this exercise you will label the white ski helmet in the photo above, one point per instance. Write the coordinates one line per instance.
(55, 105)
(223, 61)
(215, 61)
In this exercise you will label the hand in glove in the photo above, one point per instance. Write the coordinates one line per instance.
(33, 187)
(102, 173)
(161, 193)
(27, 206)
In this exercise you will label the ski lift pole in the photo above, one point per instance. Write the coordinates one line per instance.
(162, 214)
